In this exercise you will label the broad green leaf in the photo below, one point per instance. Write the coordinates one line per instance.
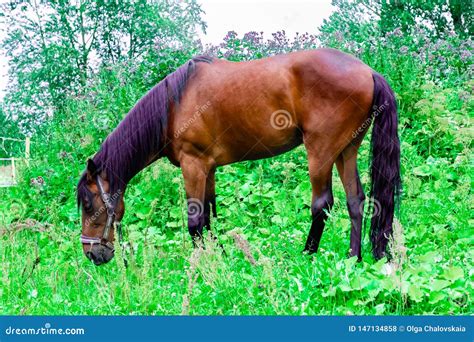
(423, 170)
(438, 284)
(330, 292)
(344, 286)
(436, 297)
(415, 293)
(453, 273)
(430, 257)
(380, 309)
(350, 263)
(359, 283)
(277, 220)
(173, 224)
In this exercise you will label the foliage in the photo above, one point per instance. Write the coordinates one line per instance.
(263, 206)
(435, 15)
(55, 46)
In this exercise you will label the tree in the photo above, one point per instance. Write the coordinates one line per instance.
(54, 46)
(436, 16)
(439, 15)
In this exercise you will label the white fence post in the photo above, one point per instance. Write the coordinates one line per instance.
(13, 171)
(27, 151)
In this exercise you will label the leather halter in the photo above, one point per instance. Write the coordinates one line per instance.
(110, 223)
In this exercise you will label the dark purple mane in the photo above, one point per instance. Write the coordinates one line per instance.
(139, 138)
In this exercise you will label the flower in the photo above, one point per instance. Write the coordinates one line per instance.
(339, 36)
(465, 55)
(37, 182)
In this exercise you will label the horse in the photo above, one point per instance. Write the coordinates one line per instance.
(212, 112)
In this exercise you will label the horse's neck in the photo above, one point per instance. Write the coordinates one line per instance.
(125, 153)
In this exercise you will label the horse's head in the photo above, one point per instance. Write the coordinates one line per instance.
(101, 214)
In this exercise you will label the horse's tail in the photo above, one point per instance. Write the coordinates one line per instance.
(384, 165)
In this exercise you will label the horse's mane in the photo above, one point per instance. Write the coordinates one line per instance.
(141, 134)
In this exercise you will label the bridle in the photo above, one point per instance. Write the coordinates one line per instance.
(110, 223)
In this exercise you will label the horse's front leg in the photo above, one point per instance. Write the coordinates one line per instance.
(210, 199)
(195, 172)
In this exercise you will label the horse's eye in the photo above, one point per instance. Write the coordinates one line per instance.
(87, 206)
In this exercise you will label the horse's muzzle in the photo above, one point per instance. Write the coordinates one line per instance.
(99, 254)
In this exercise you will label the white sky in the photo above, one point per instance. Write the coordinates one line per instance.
(263, 15)
(243, 16)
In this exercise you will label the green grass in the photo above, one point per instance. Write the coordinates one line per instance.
(264, 218)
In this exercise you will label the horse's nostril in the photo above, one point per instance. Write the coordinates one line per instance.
(90, 255)
(96, 257)
(99, 256)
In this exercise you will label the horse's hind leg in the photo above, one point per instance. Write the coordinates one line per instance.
(347, 167)
(320, 172)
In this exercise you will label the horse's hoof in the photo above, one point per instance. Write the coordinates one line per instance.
(309, 251)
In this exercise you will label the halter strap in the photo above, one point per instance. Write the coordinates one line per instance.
(110, 223)
(90, 240)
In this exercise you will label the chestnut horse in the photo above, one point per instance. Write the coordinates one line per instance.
(212, 112)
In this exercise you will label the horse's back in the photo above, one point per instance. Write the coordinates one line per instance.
(338, 91)
(262, 108)
(330, 73)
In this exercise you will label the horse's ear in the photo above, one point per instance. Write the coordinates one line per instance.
(91, 169)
